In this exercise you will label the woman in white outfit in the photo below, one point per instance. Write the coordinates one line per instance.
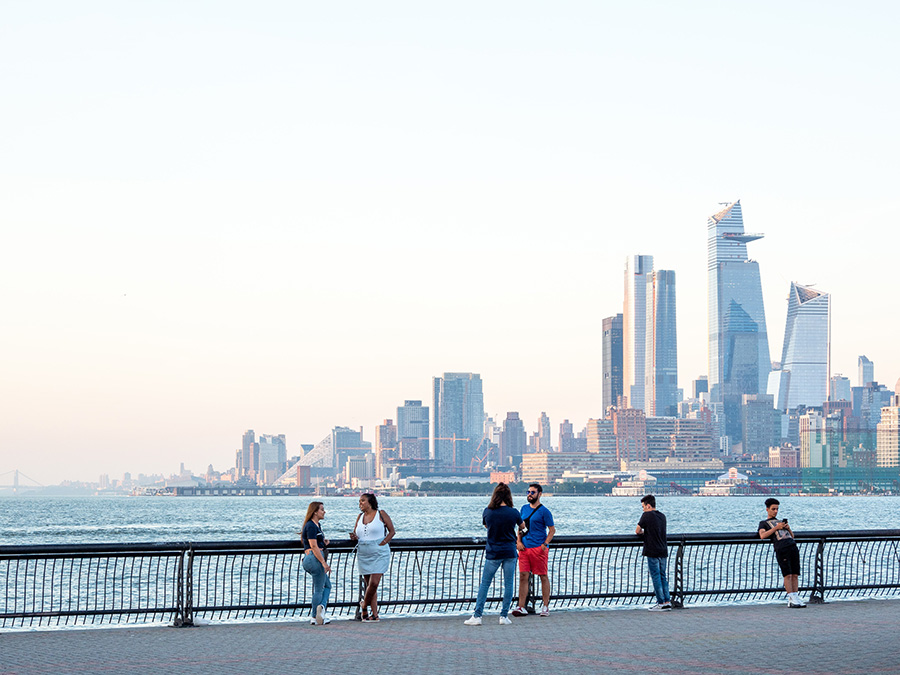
(372, 533)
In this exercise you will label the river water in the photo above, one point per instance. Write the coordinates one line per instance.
(68, 520)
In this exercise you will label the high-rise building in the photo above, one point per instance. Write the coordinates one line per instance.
(385, 445)
(630, 429)
(638, 270)
(866, 371)
(566, 437)
(544, 444)
(661, 367)
(413, 430)
(612, 362)
(887, 452)
(840, 389)
(513, 439)
(806, 358)
(458, 418)
(245, 462)
(739, 361)
(758, 420)
(271, 458)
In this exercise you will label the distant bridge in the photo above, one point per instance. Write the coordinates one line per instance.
(16, 484)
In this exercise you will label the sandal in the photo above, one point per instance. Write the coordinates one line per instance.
(364, 611)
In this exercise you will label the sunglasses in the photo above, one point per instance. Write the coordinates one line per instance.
(531, 492)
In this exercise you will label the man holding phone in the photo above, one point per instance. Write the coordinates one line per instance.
(786, 552)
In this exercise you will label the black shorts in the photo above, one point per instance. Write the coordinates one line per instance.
(788, 560)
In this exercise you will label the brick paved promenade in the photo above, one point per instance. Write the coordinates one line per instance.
(840, 637)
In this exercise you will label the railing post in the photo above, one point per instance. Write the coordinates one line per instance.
(677, 594)
(817, 597)
(184, 616)
(529, 598)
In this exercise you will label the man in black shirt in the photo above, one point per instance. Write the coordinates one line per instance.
(786, 552)
(652, 526)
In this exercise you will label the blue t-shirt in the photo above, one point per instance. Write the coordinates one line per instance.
(537, 530)
(502, 524)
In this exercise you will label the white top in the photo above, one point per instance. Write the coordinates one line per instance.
(374, 531)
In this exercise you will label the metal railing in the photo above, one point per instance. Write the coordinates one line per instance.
(190, 583)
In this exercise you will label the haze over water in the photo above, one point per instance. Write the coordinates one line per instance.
(67, 520)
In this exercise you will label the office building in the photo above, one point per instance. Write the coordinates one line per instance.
(638, 270)
(513, 440)
(887, 452)
(386, 443)
(458, 419)
(271, 458)
(612, 362)
(544, 444)
(413, 430)
(840, 389)
(739, 360)
(866, 371)
(661, 369)
(806, 357)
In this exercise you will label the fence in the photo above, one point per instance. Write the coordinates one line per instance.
(184, 583)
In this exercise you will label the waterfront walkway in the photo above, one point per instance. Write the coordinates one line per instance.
(838, 637)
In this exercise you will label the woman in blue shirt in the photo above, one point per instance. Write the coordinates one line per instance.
(504, 525)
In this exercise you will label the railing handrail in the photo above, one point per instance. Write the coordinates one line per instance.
(426, 543)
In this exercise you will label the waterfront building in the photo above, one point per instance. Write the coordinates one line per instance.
(636, 486)
(458, 418)
(246, 466)
(548, 467)
(413, 430)
(386, 442)
(660, 431)
(888, 440)
(601, 441)
(739, 360)
(817, 430)
(513, 439)
(638, 270)
(661, 368)
(692, 441)
(866, 371)
(612, 362)
(806, 357)
(544, 444)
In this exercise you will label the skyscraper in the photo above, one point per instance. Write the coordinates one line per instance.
(638, 269)
(385, 445)
(458, 414)
(806, 357)
(413, 430)
(866, 371)
(661, 367)
(544, 433)
(513, 439)
(739, 361)
(612, 362)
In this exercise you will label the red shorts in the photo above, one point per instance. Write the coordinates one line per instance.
(534, 560)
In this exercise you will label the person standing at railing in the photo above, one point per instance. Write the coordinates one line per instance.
(534, 549)
(372, 532)
(504, 534)
(786, 552)
(315, 561)
(652, 526)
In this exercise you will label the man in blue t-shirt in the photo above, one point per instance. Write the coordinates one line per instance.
(534, 549)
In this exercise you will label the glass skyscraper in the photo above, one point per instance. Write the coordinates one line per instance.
(661, 367)
(638, 269)
(806, 356)
(458, 413)
(739, 361)
(612, 362)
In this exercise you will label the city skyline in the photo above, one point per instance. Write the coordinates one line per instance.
(292, 219)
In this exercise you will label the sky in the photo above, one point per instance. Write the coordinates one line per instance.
(288, 216)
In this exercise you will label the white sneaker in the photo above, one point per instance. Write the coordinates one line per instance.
(320, 615)
(545, 611)
(504, 621)
(519, 611)
(658, 608)
(474, 621)
(326, 620)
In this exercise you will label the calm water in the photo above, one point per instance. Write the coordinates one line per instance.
(62, 520)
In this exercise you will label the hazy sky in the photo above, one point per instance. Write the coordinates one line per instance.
(288, 216)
